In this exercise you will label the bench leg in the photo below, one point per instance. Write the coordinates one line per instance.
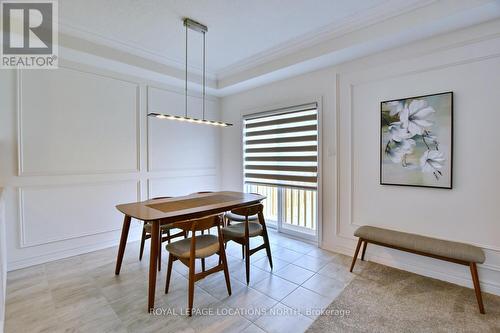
(364, 250)
(477, 287)
(356, 254)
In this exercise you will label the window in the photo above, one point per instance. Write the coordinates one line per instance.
(281, 162)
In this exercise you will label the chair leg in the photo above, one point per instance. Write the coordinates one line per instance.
(356, 254)
(477, 287)
(202, 264)
(266, 240)
(223, 259)
(247, 260)
(191, 287)
(143, 240)
(168, 236)
(169, 272)
(365, 243)
(242, 251)
(159, 251)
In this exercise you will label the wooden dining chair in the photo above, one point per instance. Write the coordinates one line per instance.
(242, 232)
(165, 235)
(203, 231)
(196, 247)
(232, 216)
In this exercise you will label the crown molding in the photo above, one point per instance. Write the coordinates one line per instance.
(425, 22)
(124, 46)
(357, 21)
(389, 25)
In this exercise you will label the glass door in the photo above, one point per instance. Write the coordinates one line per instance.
(289, 210)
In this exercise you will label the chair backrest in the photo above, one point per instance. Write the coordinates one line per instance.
(203, 223)
(248, 210)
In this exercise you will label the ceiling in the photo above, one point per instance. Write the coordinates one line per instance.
(238, 30)
(251, 43)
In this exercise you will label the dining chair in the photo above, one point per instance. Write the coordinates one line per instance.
(232, 216)
(242, 232)
(164, 230)
(196, 247)
(203, 231)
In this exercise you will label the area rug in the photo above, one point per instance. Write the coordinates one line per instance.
(383, 299)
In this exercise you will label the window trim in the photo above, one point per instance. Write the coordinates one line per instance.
(280, 108)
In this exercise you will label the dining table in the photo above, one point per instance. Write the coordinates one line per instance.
(169, 210)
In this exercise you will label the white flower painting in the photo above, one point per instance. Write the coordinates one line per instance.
(416, 141)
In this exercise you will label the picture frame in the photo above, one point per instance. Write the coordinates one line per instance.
(416, 141)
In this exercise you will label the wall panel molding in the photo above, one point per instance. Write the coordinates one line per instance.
(177, 136)
(20, 129)
(197, 182)
(24, 225)
(471, 53)
(351, 84)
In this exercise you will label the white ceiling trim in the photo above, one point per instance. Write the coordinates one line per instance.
(71, 30)
(328, 46)
(390, 8)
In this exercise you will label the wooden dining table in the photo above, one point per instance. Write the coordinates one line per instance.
(170, 210)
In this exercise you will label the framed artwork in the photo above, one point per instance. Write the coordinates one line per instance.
(416, 141)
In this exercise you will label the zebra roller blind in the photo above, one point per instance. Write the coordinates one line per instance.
(281, 147)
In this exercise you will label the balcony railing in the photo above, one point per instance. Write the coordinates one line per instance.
(293, 207)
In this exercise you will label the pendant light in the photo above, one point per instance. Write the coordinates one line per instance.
(196, 26)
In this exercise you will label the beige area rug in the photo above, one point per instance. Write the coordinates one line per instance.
(384, 299)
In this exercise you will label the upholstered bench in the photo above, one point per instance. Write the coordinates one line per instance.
(458, 253)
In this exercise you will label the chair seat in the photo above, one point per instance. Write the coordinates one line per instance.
(241, 218)
(163, 228)
(206, 245)
(238, 230)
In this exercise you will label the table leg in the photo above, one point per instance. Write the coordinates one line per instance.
(123, 243)
(153, 261)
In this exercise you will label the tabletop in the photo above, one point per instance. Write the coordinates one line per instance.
(189, 206)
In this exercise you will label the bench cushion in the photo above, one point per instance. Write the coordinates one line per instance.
(413, 242)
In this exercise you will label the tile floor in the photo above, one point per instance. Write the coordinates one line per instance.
(82, 294)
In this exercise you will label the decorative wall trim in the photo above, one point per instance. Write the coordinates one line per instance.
(134, 235)
(22, 226)
(21, 171)
(350, 84)
(350, 111)
(149, 109)
(189, 174)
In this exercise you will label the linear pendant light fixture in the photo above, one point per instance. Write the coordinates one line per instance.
(196, 26)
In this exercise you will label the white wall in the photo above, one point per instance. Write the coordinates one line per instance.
(76, 141)
(3, 264)
(466, 62)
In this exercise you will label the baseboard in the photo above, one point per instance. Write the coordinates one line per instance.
(434, 272)
(23, 263)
